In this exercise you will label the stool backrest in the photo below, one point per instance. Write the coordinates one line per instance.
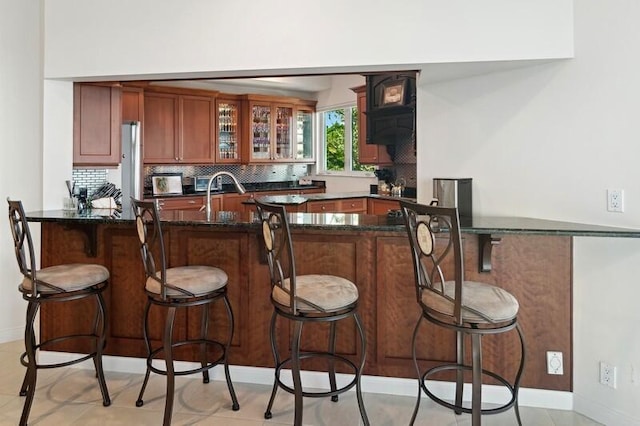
(151, 241)
(22, 243)
(276, 236)
(435, 260)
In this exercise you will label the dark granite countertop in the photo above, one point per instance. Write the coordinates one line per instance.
(256, 187)
(341, 221)
(295, 199)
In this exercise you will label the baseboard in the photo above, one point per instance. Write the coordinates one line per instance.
(540, 398)
(602, 413)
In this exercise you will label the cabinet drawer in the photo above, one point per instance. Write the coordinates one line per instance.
(183, 203)
(353, 205)
(323, 206)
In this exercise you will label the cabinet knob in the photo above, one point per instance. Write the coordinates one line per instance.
(192, 202)
(353, 205)
(324, 208)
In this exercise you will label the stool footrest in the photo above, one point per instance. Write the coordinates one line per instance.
(463, 409)
(210, 364)
(318, 394)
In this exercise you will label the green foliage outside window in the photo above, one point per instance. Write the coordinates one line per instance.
(336, 141)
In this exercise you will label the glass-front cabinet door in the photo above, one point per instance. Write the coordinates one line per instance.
(280, 130)
(284, 126)
(260, 137)
(228, 146)
(303, 141)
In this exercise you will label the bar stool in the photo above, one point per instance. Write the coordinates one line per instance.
(55, 284)
(468, 308)
(173, 288)
(306, 299)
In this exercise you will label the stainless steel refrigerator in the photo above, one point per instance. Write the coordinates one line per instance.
(131, 164)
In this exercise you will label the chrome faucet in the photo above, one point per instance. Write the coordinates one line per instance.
(238, 185)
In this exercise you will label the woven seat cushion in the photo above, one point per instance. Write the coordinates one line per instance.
(71, 277)
(197, 279)
(328, 292)
(481, 303)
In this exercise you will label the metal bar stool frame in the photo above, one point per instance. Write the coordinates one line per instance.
(423, 223)
(39, 292)
(151, 238)
(280, 257)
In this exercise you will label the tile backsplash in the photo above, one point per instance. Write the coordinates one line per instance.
(91, 179)
(245, 173)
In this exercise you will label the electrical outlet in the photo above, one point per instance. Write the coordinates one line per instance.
(615, 200)
(554, 363)
(608, 374)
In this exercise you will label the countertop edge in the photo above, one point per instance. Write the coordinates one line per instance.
(346, 221)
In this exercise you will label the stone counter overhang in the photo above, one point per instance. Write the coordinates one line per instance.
(359, 222)
(488, 229)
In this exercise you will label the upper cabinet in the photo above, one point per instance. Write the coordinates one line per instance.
(368, 153)
(96, 128)
(279, 130)
(178, 128)
(228, 145)
(303, 138)
(132, 104)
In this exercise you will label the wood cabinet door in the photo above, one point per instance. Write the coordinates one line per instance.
(381, 207)
(160, 128)
(96, 125)
(368, 153)
(233, 202)
(197, 132)
(132, 104)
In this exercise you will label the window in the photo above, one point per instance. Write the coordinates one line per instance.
(339, 142)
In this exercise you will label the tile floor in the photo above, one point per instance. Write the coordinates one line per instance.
(70, 396)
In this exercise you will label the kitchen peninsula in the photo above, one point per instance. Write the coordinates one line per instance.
(530, 258)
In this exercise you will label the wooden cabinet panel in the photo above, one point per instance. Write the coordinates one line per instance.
(190, 203)
(381, 207)
(178, 128)
(234, 202)
(181, 203)
(96, 125)
(347, 205)
(224, 250)
(353, 205)
(132, 104)
(368, 153)
(196, 123)
(330, 206)
(160, 138)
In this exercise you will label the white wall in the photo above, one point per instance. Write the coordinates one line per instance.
(20, 141)
(151, 37)
(547, 141)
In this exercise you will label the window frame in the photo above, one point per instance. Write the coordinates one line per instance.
(321, 164)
